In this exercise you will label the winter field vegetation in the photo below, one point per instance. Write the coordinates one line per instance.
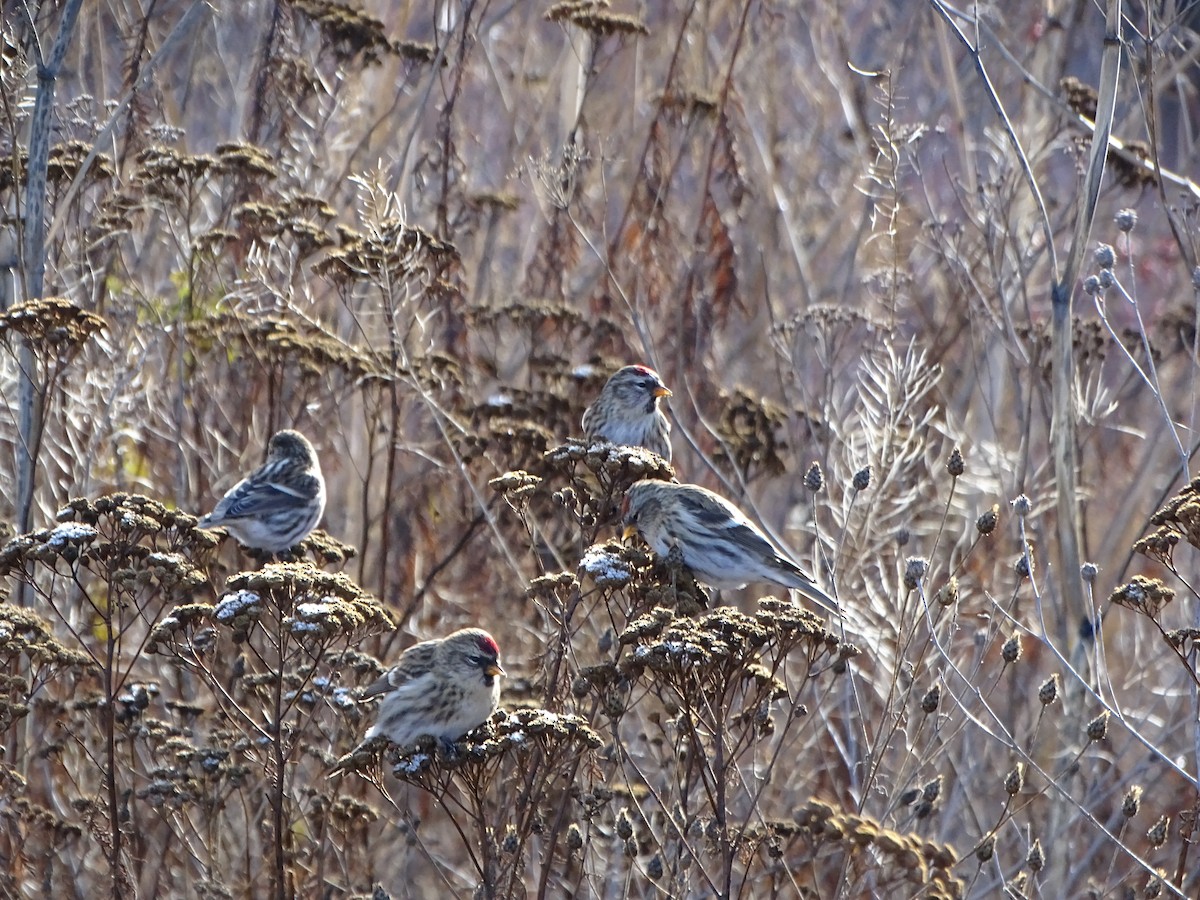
(923, 280)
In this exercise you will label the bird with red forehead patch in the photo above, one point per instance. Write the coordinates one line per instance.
(440, 688)
(715, 539)
(628, 412)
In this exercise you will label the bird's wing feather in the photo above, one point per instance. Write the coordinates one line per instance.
(251, 498)
(414, 663)
(717, 512)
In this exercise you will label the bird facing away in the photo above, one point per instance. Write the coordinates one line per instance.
(722, 547)
(442, 688)
(279, 503)
(627, 412)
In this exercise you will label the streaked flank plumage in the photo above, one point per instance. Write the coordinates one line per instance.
(441, 688)
(279, 503)
(722, 547)
(627, 411)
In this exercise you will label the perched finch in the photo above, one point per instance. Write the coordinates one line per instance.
(627, 412)
(442, 688)
(713, 538)
(280, 502)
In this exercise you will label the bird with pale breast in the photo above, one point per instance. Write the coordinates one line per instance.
(628, 412)
(712, 537)
(439, 688)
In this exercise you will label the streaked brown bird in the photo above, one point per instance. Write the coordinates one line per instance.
(442, 688)
(712, 537)
(627, 411)
(279, 503)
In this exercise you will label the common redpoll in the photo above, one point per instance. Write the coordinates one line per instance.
(277, 505)
(627, 412)
(712, 537)
(442, 688)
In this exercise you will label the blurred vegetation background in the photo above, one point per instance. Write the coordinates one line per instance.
(869, 236)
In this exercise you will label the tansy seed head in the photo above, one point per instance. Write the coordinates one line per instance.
(955, 465)
(862, 479)
(574, 838)
(1088, 572)
(1132, 801)
(1097, 729)
(1024, 564)
(1126, 219)
(1107, 279)
(929, 703)
(624, 825)
(1105, 256)
(947, 594)
(1011, 651)
(1157, 835)
(1015, 780)
(986, 848)
(986, 523)
(814, 478)
(1091, 285)
(932, 789)
(1035, 858)
(1048, 692)
(914, 570)
(1021, 505)
(511, 841)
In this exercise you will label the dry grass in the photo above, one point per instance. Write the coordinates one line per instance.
(424, 239)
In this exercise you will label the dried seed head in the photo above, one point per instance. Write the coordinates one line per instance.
(654, 868)
(931, 790)
(909, 797)
(574, 838)
(1106, 278)
(511, 842)
(947, 594)
(903, 536)
(915, 568)
(862, 479)
(1088, 572)
(1157, 834)
(929, 703)
(1132, 801)
(624, 825)
(1024, 564)
(1126, 219)
(1091, 285)
(1097, 729)
(986, 523)
(1105, 256)
(954, 465)
(1022, 505)
(814, 478)
(1011, 651)
(1015, 780)
(1048, 692)
(1035, 858)
(986, 848)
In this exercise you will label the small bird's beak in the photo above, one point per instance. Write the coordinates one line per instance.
(493, 670)
(662, 391)
(630, 531)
